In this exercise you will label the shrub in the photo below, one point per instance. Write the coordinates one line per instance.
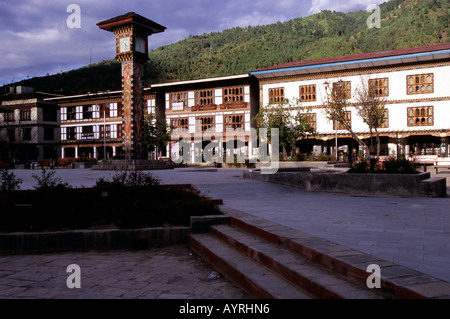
(399, 166)
(360, 167)
(8, 181)
(47, 181)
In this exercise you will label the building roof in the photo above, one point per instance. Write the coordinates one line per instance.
(206, 80)
(131, 18)
(357, 61)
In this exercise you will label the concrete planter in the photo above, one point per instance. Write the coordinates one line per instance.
(84, 240)
(368, 184)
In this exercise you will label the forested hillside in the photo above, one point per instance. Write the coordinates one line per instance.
(405, 23)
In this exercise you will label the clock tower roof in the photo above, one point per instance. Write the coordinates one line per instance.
(134, 19)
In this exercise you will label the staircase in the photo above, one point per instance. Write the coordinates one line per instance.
(271, 261)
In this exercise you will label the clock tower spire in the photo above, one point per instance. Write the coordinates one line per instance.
(132, 32)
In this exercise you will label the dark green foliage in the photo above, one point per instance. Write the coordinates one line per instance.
(8, 181)
(399, 166)
(405, 23)
(360, 167)
(47, 181)
(390, 166)
(130, 200)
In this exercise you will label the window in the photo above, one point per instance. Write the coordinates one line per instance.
(340, 125)
(87, 133)
(113, 110)
(87, 111)
(49, 133)
(178, 101)
(308, 93)
(276, 95)
(421, 116)
(385, 123)
(233, 95)
(379, 87)
(204, 97)
(234, 122)
(181, 124)
(420, 84)
(311, 119)
(71, 113)
(343, 89)
(104, 110)
(9, 116)
(26, 134)
(71, 133)
(105, 129)
(204, 123)
(50, 115)
(25, 115)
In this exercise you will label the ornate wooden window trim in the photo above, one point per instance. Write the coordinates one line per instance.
(233, 95)
(345, 89)
(234, 122)
(180, 123)
(385, 123)
(379, 87)
(276, 95)
(204, 123)
(340, 125)
(420, 84)
(421, 116)
(204, 97)
(178, 97)
(311, 119)
(308, 93)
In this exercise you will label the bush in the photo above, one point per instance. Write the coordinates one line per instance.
(391, 166)
(360, 167)
(8, 181)
(47, 181)
(130, 200)
(399, 166)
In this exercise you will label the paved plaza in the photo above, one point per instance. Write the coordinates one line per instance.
(412, 232)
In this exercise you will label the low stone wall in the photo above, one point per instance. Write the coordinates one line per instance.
(84, 240)
(369, 184)
(131, 165)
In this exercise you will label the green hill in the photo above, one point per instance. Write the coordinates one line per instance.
(405, 23)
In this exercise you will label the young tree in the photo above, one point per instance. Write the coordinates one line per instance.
(155, 133)
(337, 108)
(291, 124)
(371, 102)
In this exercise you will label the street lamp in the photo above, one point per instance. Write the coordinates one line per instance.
(104, 130)
(326, 84)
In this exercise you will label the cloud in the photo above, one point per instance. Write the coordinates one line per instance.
(36, 39)
(343, 5)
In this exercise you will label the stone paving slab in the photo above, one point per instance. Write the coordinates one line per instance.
(158, 273)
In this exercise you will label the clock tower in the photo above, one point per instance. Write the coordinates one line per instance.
(132, 32)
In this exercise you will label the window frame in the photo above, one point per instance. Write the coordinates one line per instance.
(418, 85)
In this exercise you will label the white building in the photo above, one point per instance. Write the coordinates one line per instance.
(415, 83)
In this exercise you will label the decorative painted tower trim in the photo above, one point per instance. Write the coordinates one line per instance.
(132, 31)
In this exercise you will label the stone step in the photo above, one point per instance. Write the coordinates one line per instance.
(320, 282)
(257, 280)
(397, 281)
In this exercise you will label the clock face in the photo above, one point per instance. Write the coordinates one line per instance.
(140, 45)
(124, 44)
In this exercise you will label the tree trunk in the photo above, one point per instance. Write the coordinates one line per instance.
(378, 142)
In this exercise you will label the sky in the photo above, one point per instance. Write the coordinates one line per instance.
(40, 37)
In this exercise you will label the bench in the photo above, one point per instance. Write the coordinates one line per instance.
(44, 163)
(442, 162)
(64, 162)
(424, 160)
